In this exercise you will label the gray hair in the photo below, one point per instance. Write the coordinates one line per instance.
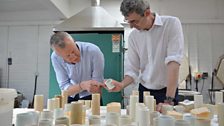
(137, 6)
(58, 39)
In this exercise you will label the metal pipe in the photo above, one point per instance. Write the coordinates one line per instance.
(95, 2)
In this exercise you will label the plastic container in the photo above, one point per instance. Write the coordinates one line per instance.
(7, 98)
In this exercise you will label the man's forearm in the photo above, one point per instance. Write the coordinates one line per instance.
(74, 89)
(172, 78)
(126, 81)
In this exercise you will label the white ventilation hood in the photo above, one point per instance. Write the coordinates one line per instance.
(94, 18)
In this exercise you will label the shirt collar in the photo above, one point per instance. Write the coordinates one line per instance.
(158, 20)
(78, 46)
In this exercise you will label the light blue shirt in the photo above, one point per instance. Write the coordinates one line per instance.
(90, 67)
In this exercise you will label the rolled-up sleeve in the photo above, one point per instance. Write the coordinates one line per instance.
(175, 46)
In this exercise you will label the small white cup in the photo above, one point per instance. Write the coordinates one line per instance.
(182, 123)
(109, 84)
(124, 120)
(45, 122)
(62, 120)
(191, 119)
(127, 110)
(179, 108)
(24, 119)
(112, 118)
(166, 108)
(202, 122)
(165, 120)
(46, 115)
(94, 120)
(35, 117)
(153, 115)
(58, 112)
(88, 104)
(155, 122)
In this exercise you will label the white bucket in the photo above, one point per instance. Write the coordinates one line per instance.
(7, 97)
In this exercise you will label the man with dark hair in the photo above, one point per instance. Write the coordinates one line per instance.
(79, 66)
(155, 51)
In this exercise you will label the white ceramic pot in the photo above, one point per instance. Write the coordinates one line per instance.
(7, 97)
(182, 123)
(165, 120)
(94, 120)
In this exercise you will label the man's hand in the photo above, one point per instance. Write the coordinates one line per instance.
(91, 86)
(118, 86)
(160, 105)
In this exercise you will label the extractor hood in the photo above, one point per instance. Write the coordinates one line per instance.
(94, 18)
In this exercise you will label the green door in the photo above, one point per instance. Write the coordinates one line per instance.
(113, 63)
(53, 87)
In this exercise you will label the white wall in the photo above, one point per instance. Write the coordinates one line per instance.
(3, 54)
(190, 9)
(28, 46)
(204, 45)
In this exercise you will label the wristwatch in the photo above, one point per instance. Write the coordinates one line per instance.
(169, 100)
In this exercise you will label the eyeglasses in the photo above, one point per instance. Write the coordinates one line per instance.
(137, 21)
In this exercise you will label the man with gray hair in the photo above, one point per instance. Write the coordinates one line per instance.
(155, 51)
(79, 66)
